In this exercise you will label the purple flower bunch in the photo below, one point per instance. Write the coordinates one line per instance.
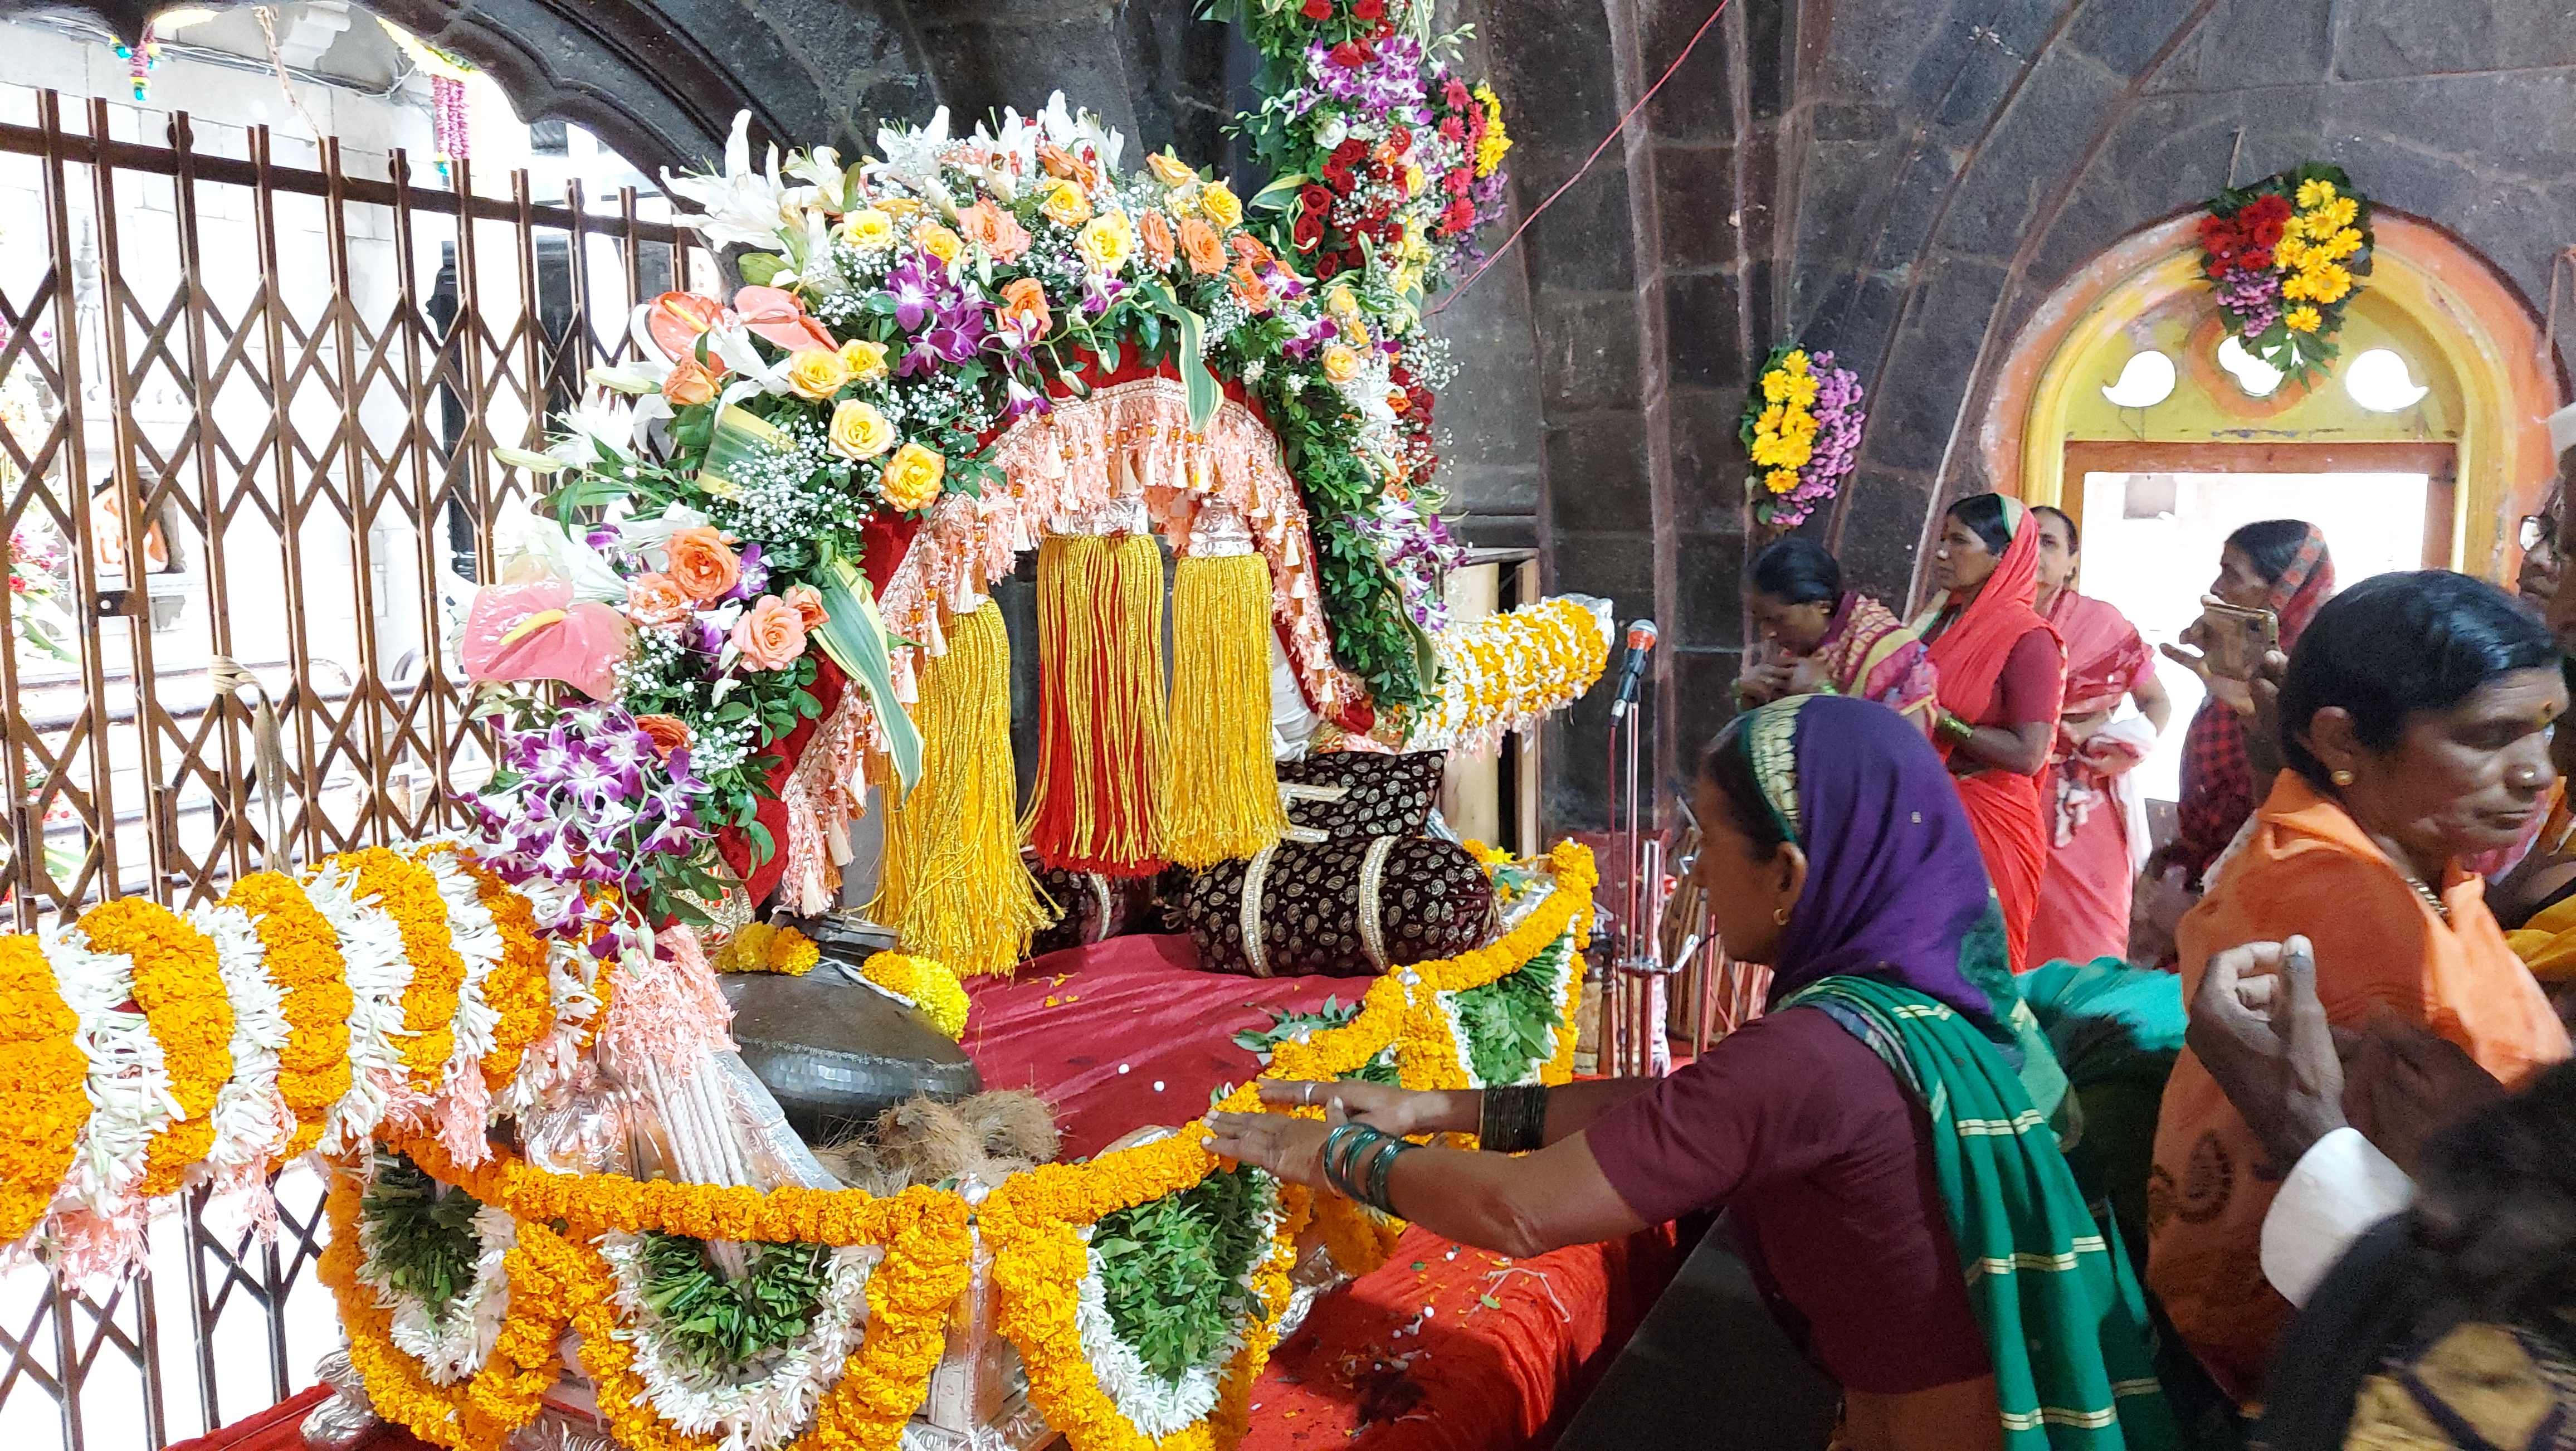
(2252, 298)
(947, 325)
(1389, 85)
(1417, 549)
(589, 798)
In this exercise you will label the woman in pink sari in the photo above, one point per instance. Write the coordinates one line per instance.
(1821, 639)
(2097, 818)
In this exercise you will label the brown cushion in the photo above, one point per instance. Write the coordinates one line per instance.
(1432, 901)
(1385, 795)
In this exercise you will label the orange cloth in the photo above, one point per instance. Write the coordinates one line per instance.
(2308, 868)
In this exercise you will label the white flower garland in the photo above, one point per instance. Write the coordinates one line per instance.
(756, 1415)
(1158, 1407)
(252, 1120)
(553, 1062)
(454, 1343)
(379, 971)
(477, 938)
(128, 1084)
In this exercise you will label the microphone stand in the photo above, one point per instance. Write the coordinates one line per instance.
(1632, 1000)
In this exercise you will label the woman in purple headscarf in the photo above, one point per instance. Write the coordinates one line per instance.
(1880, 1130)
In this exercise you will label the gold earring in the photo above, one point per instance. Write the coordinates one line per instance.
(2340, 778)
(1779, 916)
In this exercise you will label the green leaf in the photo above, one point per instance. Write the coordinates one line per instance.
(1204, 394)
(854, 636)
(759, 268)
(741, 436)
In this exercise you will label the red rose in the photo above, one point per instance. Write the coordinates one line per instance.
(1421, 397)
(1401, 140)
(1315, 199)
(1347, 55)
(1326, 266)
(1308, 232)
(1351, 152)
(1368, 10)
(1317, 9)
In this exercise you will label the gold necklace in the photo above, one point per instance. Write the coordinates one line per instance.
(2431, 898)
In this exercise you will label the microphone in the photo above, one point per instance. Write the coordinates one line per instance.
(1641, 647)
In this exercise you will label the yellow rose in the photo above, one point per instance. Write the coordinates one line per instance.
(1341, 364)
(912, 477)
(1170, 170)
(1105, 241)
(938, 241)
(902, 206)
(1220, 205)
(1064, 204)
(816, 373)
(869, 230)
(866, 360)
(859, 431)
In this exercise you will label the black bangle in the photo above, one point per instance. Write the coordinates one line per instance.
(1512, 1118)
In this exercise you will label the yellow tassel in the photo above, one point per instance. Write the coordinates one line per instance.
(1220, 791)
(1100, 704)
(953, 886)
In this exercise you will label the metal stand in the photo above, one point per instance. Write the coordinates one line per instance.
(1633, 996)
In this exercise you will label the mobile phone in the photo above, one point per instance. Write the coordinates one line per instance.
(2236, 639)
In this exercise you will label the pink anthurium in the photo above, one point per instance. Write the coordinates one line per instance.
(677, 320)
(777, 316)
(535, 631)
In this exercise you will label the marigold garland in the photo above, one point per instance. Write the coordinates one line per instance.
(42, 1105)
(762, 947)
(501, 1397)
(518, 988)
(179, 987)
(926, 984)
(406, 892)
(303, 959)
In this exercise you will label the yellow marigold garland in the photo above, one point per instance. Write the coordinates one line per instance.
(929, 986)
(409, 894)
(179, 987)
(499, 1398)
(42, 1103)
(517, 988)
(302, 955)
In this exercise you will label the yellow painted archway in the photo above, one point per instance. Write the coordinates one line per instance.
(2472, 341)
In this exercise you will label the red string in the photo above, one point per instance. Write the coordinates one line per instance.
(1615, 132)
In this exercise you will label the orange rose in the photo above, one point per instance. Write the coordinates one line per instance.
(654, 599)
(771, 635)
(1249, 290)
(1200, 243)
(689, 383)
(808, 603)
(1059, 162)
(702, 564)
(1158, 239)
(1249, 248)
(1024, 306)
(995, 230)
(667, 732)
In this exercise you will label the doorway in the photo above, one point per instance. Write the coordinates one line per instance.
(2153, 518)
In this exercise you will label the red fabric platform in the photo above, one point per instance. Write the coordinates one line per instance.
(1444, 1348)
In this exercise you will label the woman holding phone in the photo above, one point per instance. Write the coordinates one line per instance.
(2280, 565)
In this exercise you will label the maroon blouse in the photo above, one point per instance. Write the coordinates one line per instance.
(1823, 1157)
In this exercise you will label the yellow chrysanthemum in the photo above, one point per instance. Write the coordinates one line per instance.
(2298, 286)
(2315, 194)
(2342, 212)
(2303, 319)
(1780, 481)
(2288, 254)
(1795, 363)
(2342, 244)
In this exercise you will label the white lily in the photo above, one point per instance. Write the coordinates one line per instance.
(600, 421)
(636, 376)
(647, 536)
(741, 205)
(911, 153)
(821, 167)
(529, 535)
(751, 374)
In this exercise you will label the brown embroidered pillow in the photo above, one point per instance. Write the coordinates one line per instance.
(1340, 908)
(1095, 908)
(1379, 795)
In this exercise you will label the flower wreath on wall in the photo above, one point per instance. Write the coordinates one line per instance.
(2285, 256)
(1801, 427)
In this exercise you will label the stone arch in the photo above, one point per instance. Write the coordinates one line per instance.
(2481, 333)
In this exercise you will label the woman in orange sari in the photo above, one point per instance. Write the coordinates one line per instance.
(2002, 676)
(2415, 717)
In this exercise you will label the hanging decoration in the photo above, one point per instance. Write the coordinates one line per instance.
(1801, 425)
(141, 60)
(450, 109)
(2285, 256)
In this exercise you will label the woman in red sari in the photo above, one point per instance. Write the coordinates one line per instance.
(2279, 565)
(2002, 676)
(2097, 819)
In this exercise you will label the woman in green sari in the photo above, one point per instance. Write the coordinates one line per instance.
(1880, 1136)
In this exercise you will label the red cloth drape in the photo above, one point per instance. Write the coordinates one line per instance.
(2003, 808)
